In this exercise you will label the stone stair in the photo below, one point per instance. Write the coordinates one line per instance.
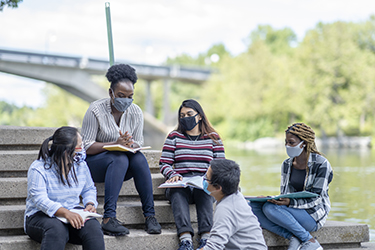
(19, 148)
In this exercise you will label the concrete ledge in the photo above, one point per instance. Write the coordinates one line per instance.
(20, 160)
(343, 234)
(137, 239)
(17, 187)
(11, 217)
(23, 137)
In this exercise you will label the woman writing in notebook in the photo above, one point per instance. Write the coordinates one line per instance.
(117, 120)
(187, 152)
(305, 170)
(55, 182)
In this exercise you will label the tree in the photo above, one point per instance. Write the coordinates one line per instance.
(339, 79)
(9, 3)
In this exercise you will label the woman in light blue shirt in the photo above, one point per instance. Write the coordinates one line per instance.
(55, 182)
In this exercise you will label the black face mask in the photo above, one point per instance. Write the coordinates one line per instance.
(188, 123)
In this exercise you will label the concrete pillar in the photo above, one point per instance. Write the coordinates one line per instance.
(166, 105)
(149, 105)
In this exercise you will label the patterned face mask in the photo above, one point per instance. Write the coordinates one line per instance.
(80, 156)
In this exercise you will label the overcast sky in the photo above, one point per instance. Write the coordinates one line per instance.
(148, 31)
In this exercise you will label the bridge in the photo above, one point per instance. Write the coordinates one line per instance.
(74, 74)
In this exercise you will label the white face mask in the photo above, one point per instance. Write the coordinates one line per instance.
(294, 151)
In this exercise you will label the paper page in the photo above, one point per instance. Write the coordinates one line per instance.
(84, 214)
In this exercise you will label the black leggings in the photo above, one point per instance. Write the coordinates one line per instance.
(54, 234)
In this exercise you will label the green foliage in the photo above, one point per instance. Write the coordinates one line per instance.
(61, 108)
(9, 3)
(327, 81)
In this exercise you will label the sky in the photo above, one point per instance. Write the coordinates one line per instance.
(150, 31)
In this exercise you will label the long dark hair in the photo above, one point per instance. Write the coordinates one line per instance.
(61, 152)
(205, 126)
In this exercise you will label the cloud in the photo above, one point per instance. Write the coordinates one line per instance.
(169, 27)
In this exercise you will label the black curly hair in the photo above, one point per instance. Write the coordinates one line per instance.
(120, 73)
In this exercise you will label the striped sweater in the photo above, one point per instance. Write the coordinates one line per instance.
(182, 155)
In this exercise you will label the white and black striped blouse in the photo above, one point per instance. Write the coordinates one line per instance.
(99, 125)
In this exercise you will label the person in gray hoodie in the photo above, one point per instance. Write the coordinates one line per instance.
(234, 225)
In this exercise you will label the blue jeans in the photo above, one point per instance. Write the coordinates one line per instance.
(284, 221)
(113, 168)
(54, 234)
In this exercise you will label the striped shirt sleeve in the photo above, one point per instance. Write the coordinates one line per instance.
(37, 193)
(90, 127)
(89, 190)
(167, 158)
(99, 124)
(218, 150)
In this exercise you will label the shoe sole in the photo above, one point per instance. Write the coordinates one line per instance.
(115, 234)
(153, 231)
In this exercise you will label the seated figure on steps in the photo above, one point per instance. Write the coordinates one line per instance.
(55, 182)
(305, 170)
(235, 226)
(187, 152)
(117, 120)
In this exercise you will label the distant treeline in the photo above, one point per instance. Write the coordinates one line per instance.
(326, 80)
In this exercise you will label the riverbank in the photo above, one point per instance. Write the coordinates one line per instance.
(347, 142)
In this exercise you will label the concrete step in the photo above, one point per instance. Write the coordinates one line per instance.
(15, 163)
(23, 138)
(334, 235)
(11, 217)
(137, 239)
(17, 187)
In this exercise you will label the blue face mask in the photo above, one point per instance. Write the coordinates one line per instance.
(205, 186)
(80, 156)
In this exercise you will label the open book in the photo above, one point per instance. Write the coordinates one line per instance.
(195, 181)
(296, 195)
(118, 147)
(84, 214)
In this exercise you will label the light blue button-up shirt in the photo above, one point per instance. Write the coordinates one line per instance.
(46, 192)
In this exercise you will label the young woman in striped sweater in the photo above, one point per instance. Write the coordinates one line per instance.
(187, 152)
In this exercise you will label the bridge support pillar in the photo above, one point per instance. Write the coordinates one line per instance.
(167, 118)
(149, 104)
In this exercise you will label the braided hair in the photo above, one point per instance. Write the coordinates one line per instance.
(306, 134)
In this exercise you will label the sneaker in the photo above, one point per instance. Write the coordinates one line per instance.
(114, 228)
(311, 245)
(202, 243)
(152, 225)
(294, 243)
(186, 245)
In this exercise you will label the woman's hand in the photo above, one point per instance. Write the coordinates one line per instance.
(74, 219)
(281, 201)
(125, 139)
(90, 208)
(174, 179)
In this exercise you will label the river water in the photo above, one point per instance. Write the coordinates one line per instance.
(352, 191)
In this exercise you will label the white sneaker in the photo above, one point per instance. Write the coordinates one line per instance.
(294, 243)
(309, 245)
